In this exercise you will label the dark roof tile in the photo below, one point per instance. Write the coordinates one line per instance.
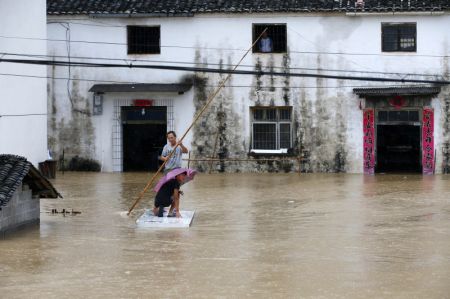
(14, 170)
(180, 7)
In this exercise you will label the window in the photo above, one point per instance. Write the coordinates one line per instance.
(399, 37)
(386, 116)
(271, 128)
(143, 40)
(272, 41)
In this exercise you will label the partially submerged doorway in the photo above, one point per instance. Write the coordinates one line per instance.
(398, 128)
(398, 141)
(144, 134)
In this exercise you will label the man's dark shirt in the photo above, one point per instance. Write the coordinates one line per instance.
(163, 197)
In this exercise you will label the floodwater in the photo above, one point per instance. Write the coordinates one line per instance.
(253, 236)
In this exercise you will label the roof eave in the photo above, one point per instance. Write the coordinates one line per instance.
(138, 15)
(395, 91)
(141, 87)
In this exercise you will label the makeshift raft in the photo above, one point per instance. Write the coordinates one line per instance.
(149, 220)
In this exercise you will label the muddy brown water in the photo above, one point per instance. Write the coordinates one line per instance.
(253, 236)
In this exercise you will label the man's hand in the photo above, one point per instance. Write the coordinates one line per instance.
(184, 149)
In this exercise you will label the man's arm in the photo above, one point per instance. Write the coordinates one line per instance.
(184, 149)
(176, 202)
(163, 156)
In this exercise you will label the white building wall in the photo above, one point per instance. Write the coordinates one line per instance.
(23, 100)
(326, 111)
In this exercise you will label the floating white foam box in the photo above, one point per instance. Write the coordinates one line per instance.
(149, 220)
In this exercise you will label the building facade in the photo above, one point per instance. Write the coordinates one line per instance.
(23, 87)
(313, 94)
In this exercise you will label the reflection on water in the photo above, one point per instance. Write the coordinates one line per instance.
(254, 235)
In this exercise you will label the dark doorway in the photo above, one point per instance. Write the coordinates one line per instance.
(398, 148)
(144, 136)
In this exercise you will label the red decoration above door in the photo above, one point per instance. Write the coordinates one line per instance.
(143, 103)
(397, 102)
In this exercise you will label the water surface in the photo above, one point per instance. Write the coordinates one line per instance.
(254, 235)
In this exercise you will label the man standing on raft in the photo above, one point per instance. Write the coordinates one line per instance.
(175, 160)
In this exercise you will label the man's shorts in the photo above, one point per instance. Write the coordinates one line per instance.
(164, 202)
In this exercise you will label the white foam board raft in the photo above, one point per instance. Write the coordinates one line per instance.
(149, 220)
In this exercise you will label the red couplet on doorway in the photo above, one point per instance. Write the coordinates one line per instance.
(428, 141)
(369, 141)
(142, 103)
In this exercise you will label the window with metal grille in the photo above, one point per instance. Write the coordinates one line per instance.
(271, 128)
(143, 40)
(272, 41)
(387, 116)
(399, 37)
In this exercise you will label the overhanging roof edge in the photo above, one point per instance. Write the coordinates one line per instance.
(392, 91)
(141, 87)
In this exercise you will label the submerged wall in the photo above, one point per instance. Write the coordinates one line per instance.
(21, 209)
(327, 119)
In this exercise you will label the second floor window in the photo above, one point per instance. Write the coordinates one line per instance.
(271, 128)
(272, 41)
(143, 40)
(399, 37)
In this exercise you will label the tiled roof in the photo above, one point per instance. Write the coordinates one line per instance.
(190, 7)
(14, 170)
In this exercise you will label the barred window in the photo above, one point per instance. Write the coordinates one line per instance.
(271, 128)
(399, 37)
(272, 41)
(143, 40)
(398, 115)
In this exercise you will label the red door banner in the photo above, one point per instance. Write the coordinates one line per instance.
(143, 103)
(369, 141)
(428, 141)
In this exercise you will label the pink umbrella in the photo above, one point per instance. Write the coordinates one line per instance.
(190, 173)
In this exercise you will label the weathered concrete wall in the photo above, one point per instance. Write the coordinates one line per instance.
(20, 210)
(441, 107)
(327, 124)
(23, 99)
(70, 124)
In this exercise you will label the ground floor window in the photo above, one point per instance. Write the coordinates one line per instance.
(271, 128)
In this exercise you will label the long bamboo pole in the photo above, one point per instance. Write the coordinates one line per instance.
(208, 102)
(189, 159)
